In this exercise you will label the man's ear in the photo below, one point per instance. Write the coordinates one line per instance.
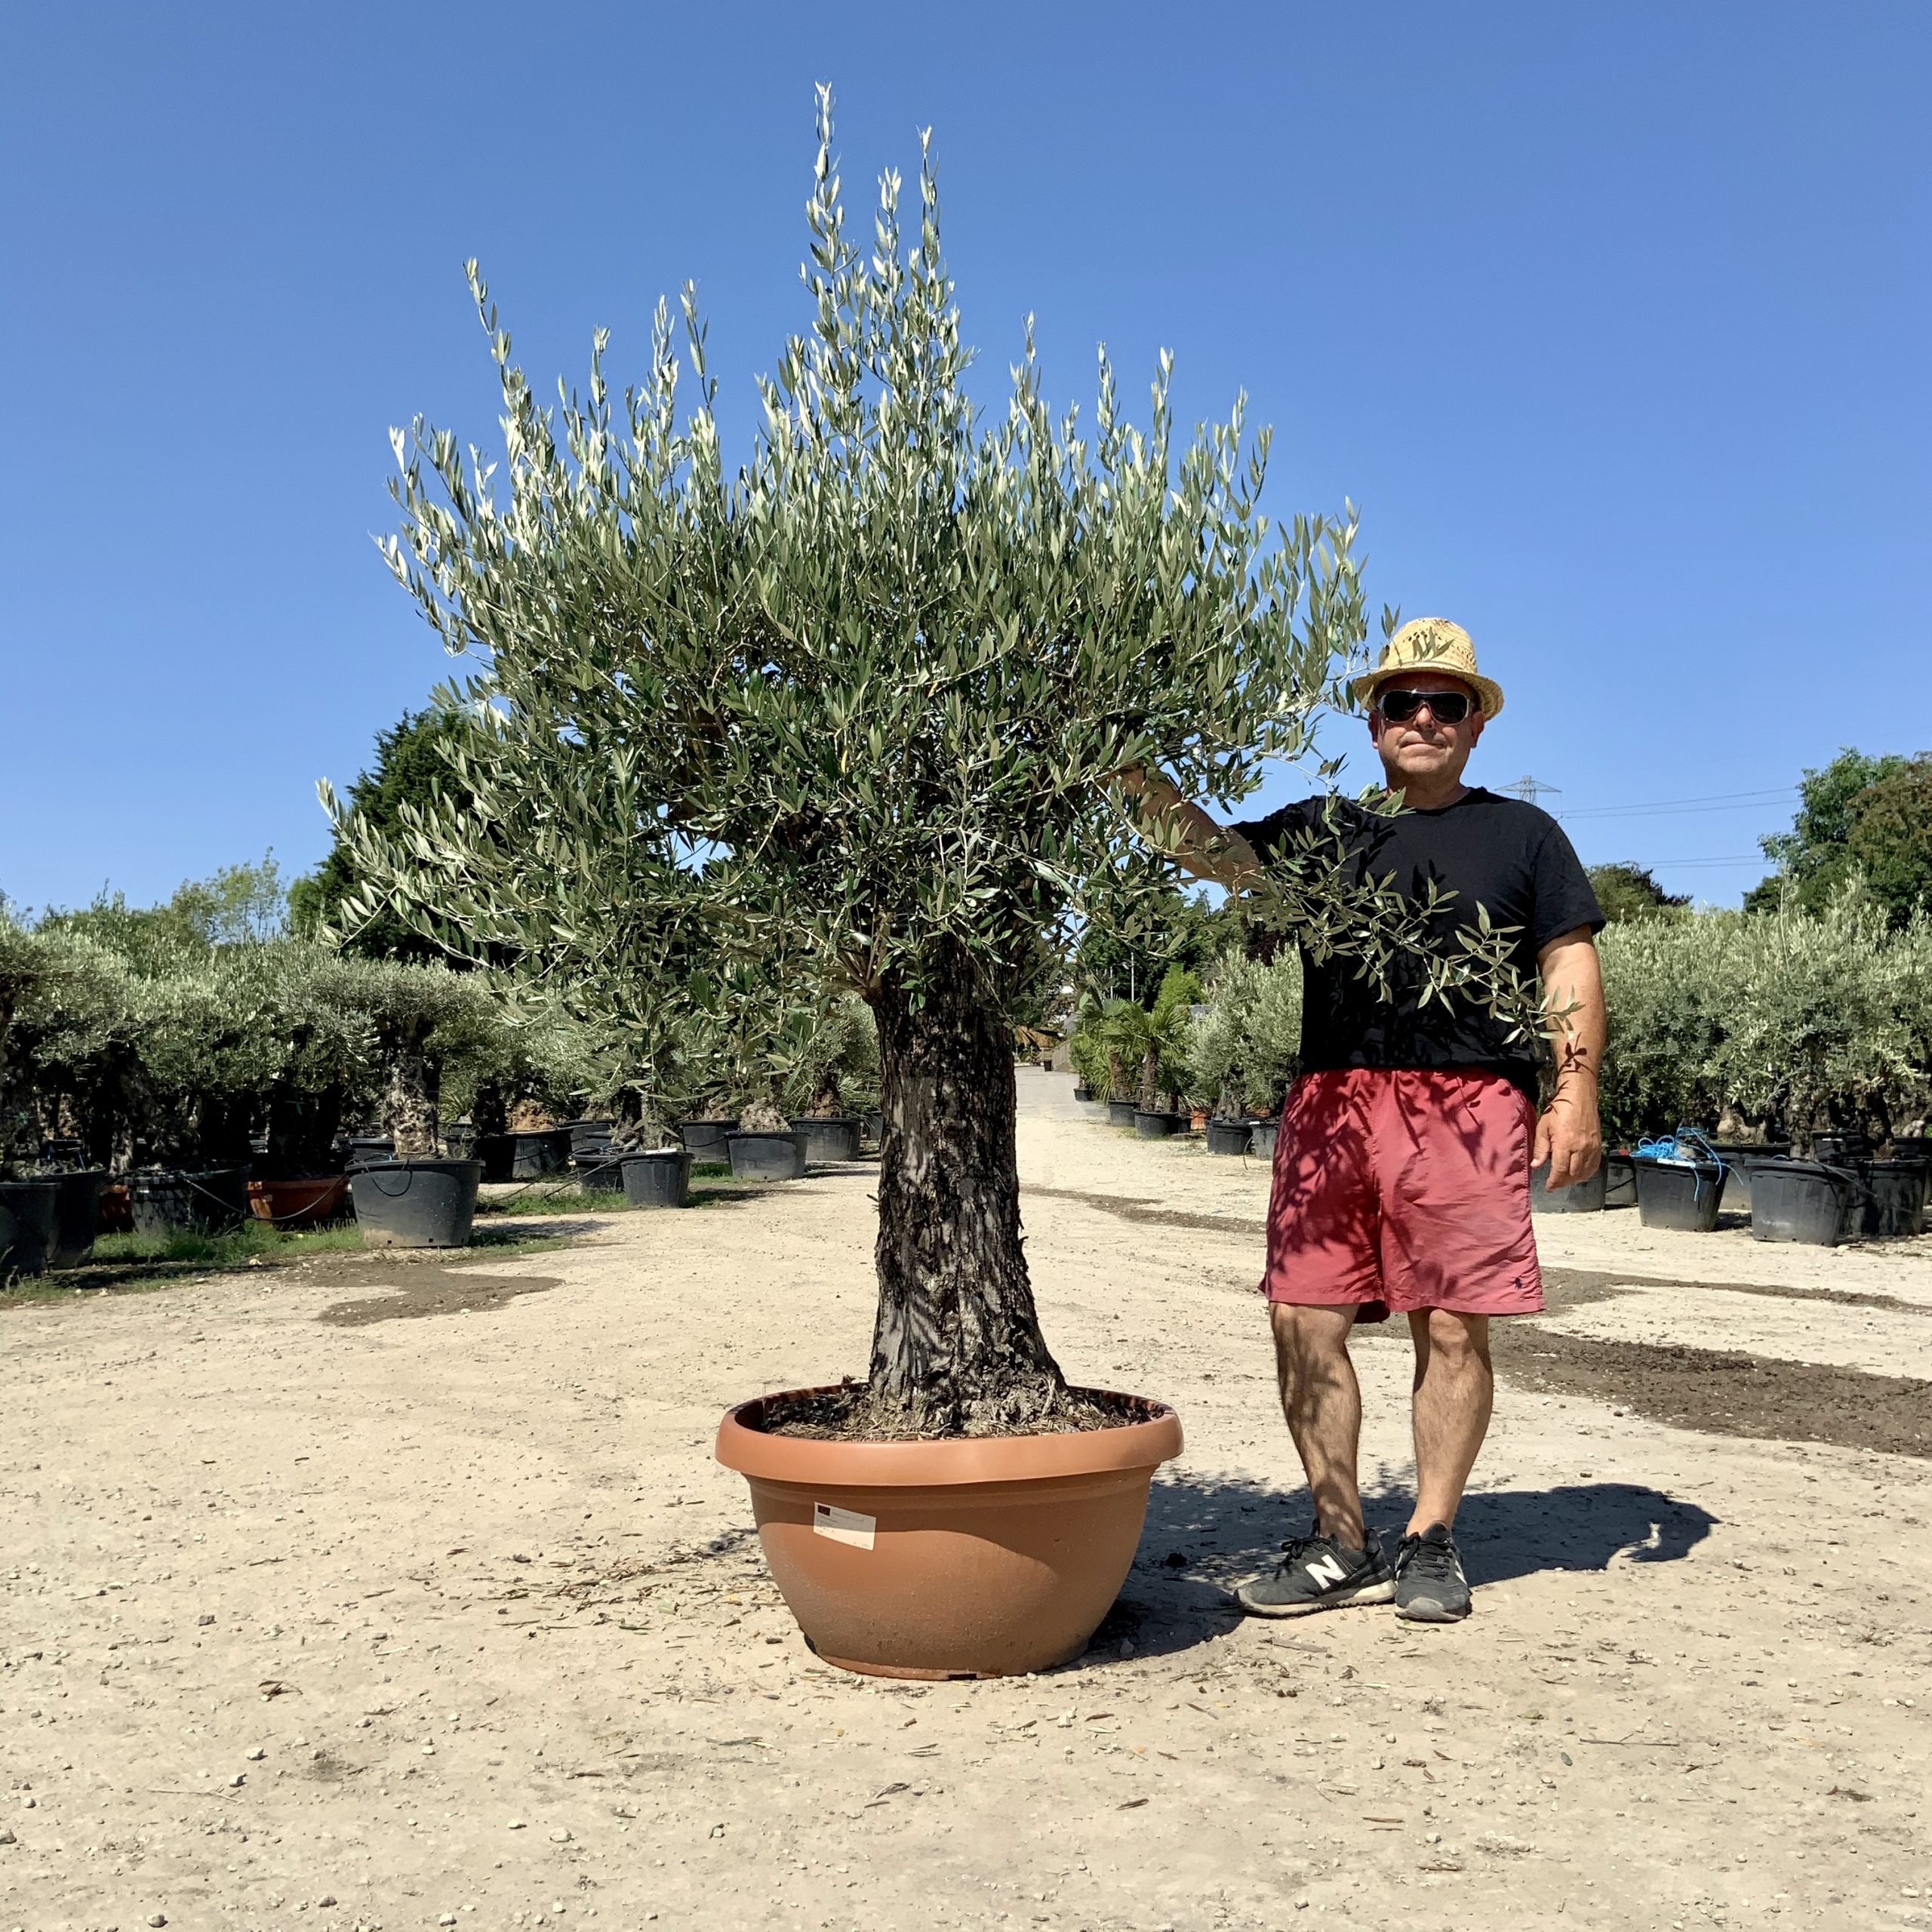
(1477, 719)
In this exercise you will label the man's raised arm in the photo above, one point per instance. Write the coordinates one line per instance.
(1185, 833)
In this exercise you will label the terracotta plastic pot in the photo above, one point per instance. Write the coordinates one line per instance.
(979, 1557)
(299, 1203)
(117, 1215)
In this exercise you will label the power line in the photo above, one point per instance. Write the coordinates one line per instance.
(1714, 801)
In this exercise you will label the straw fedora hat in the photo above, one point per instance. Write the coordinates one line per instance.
(1430, 644)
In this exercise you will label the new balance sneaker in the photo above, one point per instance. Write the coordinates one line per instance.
(1317, 1572)
(1430, 1587)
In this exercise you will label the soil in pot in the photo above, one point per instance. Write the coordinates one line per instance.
(829, 1137)
(767, 1156)
(77, 1214)
(1801, 1201)
(1678, 1194)
(299, 1203)
(1230, 1137)
(30, 1225)
(660, 1179)
(1120, 1113)
(979, 1556)
(706, 1138)
(1582, 1197)
(416, 1204)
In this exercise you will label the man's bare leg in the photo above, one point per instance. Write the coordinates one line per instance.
(1322, 1402)
(1454, 1389)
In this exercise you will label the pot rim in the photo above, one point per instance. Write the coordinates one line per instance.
(743, 1446)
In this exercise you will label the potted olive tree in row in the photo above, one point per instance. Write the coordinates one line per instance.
(863, 697)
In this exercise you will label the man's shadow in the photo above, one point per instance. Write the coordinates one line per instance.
(1204, 1536)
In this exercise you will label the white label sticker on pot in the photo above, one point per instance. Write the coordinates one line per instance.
(843, 1525)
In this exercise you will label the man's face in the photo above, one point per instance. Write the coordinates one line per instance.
(1423, 747)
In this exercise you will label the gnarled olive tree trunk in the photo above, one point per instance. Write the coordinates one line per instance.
(957, 1349)
(409, 1100)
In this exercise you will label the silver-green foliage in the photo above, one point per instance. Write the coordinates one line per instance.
(1799, 1021)
(862, 693)
(1244, 1049)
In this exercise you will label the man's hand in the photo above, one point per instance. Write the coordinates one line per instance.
(1570, 1138)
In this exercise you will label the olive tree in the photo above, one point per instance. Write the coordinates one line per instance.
(860, 699)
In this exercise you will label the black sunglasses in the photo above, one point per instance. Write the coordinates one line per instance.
(1445, 707)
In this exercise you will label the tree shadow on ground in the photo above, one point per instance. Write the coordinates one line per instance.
(1204, 1535)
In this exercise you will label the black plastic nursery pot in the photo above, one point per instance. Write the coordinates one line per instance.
(1620, 1181)
(416, 1204)
(1802, 1200)
(602, 1172)
(1738, 1157)
(872, 1131)
(460, 1141)
(1678, 1194)
(77, 1215)
(767, 1156)
(1261, 1143)
(1230, 1137)
(829, 1137)
(1082, 1093)
(162, 1203)
(547, 1151)
(1159, 1126)
(30, 1225)
(1582, 1197)
(1892, 1205)
(1837, 1149)
(706, 1138)
(589, 1137)
(1120, 1113)
(660, 1179)
(371, 1147)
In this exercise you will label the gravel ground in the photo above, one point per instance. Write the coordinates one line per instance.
(383, 1593)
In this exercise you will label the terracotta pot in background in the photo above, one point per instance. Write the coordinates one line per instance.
(1197, 1118)
(116, 1215)
(299, 1203)
(974, 1557)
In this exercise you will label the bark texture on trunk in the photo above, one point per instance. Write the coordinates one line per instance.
(957, 1348)
(1150, 1075)
(411, 1100)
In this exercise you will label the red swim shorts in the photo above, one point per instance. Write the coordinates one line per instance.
(1398, 1189)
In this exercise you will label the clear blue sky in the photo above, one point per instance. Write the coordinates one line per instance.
(1612, 319)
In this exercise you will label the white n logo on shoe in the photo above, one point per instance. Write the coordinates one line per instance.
(1328, 1570)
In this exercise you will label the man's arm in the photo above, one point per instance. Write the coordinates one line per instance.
(1186, 833)
(1569, 1135)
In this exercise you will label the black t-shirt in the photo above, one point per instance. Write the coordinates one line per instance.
(1500, 854)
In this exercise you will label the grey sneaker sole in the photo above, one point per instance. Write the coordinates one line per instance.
(1426, 1610)
(1382, 1592)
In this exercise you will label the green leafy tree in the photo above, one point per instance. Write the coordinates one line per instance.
(1627, 891)
(859, 700)
(412, 768)
(1125, 952)
(1858, 814)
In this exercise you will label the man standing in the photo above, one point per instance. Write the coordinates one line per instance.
(1402, 1165)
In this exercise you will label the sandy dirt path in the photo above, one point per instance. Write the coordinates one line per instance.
(394, 1595)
